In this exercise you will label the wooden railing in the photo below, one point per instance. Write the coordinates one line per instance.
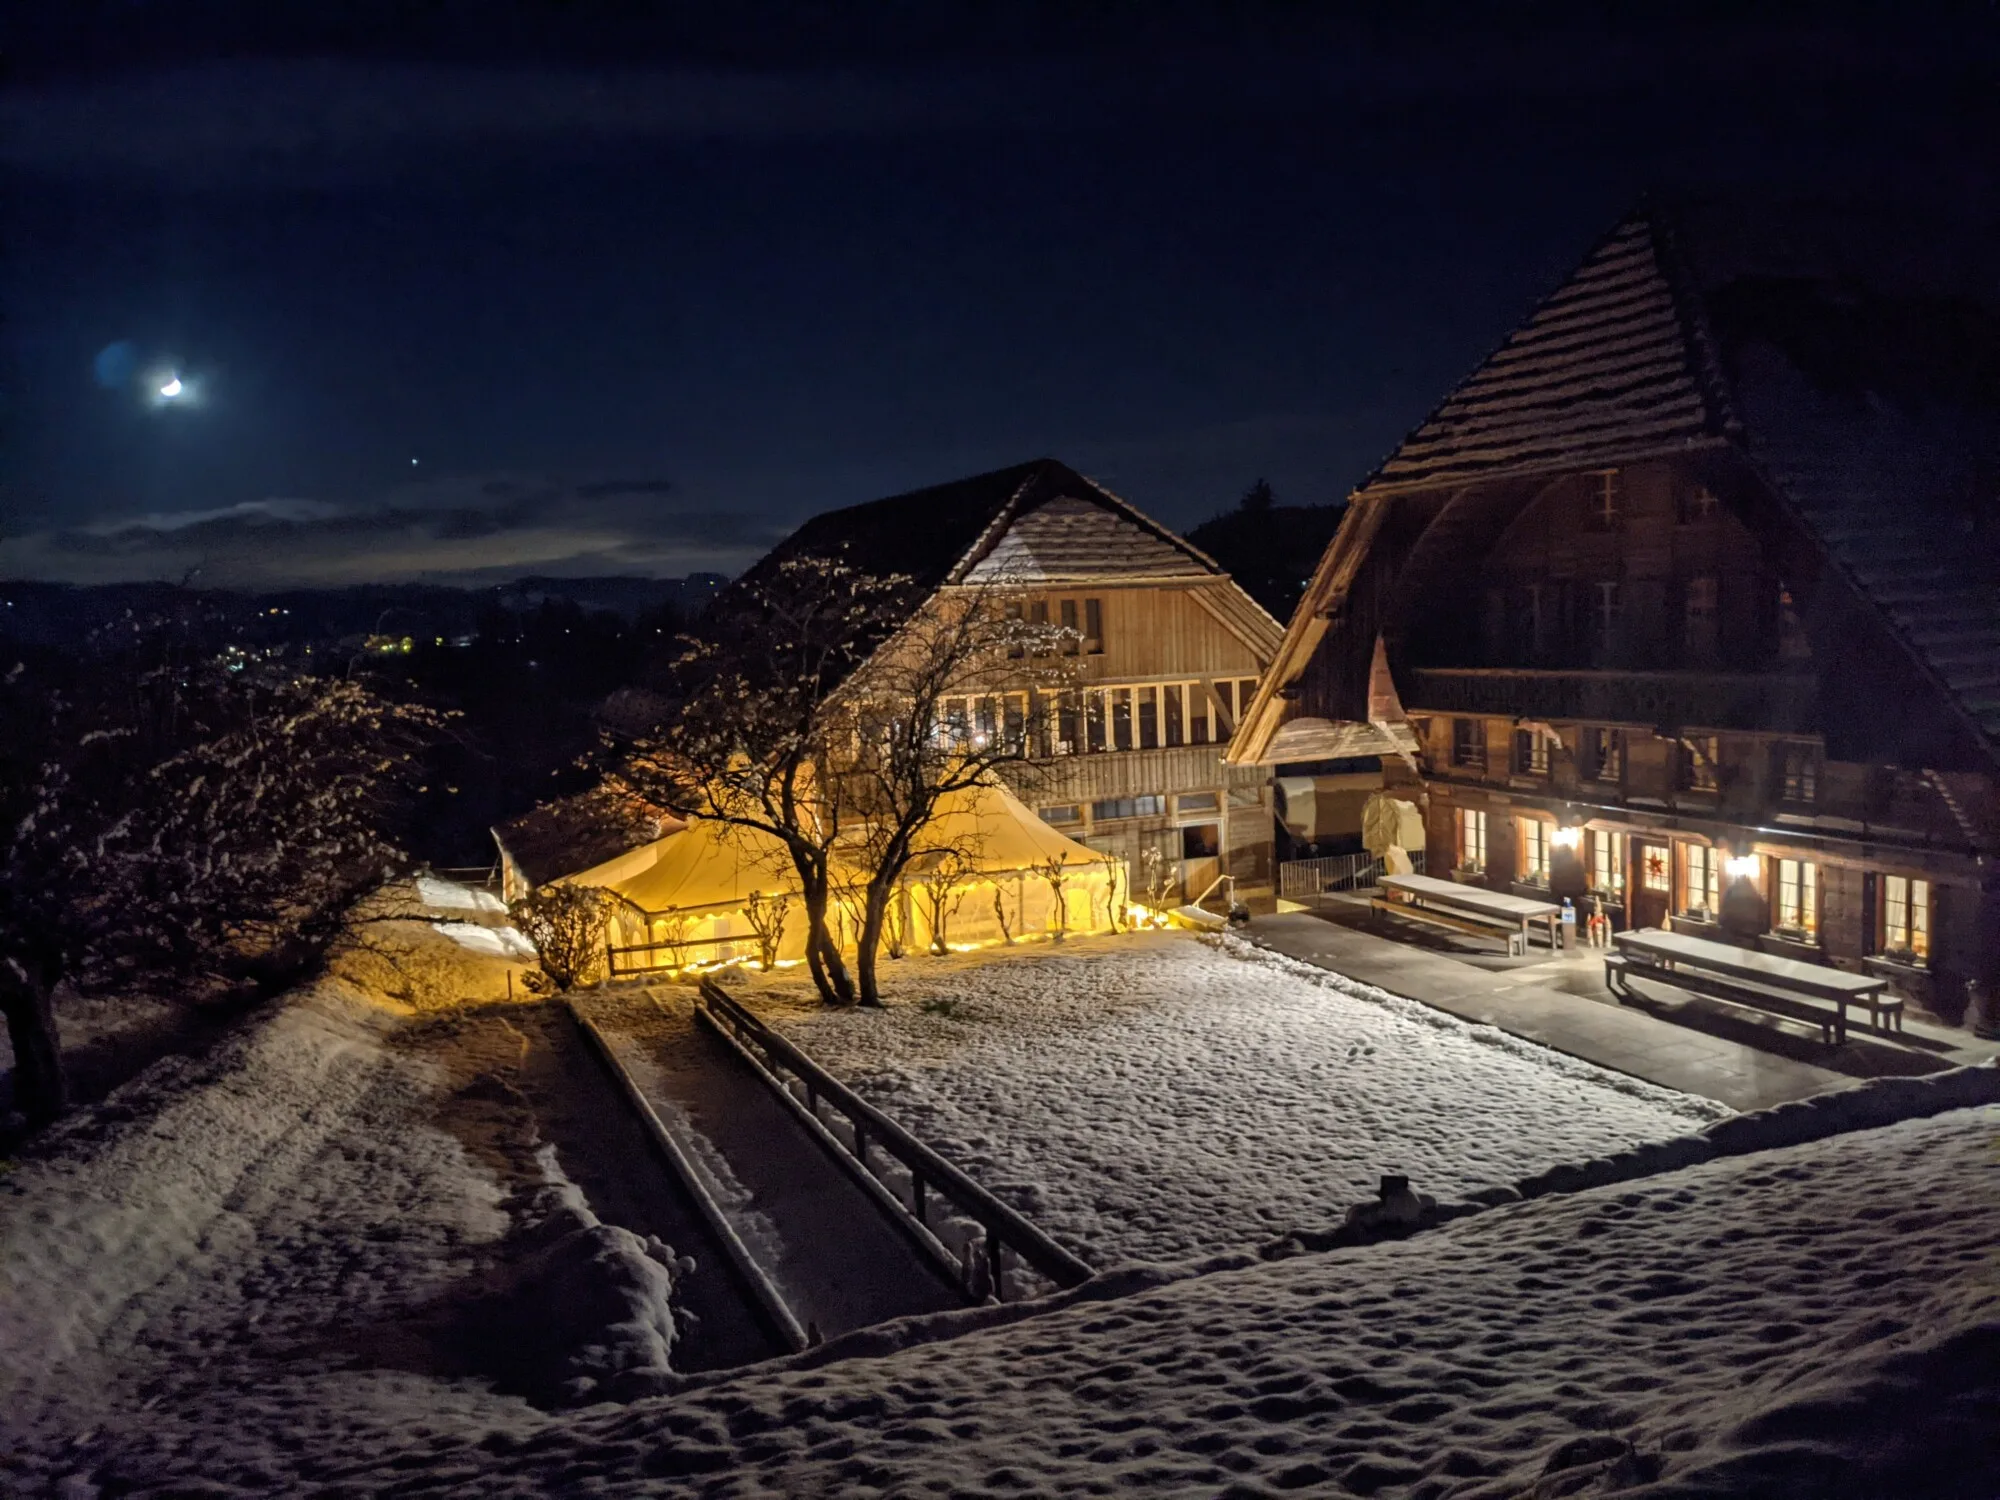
(1005, 1230)
(1309, 879)
(638, 958)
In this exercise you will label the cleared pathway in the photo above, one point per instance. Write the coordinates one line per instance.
(1519, 1001)
(830, 1249)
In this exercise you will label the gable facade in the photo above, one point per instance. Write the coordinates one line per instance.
(1674, 572)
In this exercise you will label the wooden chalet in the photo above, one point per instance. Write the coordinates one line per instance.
(1170, 653)
(1687, 600)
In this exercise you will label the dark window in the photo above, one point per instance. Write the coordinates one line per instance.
(1016, 617)
(1190, 803)
(1603, 754)
(1112, 808)
(1606, 500)
(1066, 813)
(1121, 718)
(1072, 637)
(1149, 718)
(1606, 610)
(1094, 716)
(1701, 608)
(1171, 696)
(1468, 742)
(1697, 503)
(1201, 841)
(1700, 758)
(1069, 727)
(1795, 768)
(1531, 753)
(1093, 627)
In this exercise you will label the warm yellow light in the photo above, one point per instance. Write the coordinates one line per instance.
(1567, 838)
(1741, 866)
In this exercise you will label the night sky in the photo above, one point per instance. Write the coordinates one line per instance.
(554, 288)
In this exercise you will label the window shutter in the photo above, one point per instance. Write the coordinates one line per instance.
(1869, 898)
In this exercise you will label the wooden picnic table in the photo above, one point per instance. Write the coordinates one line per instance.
(1496, 908)
(1667, 952)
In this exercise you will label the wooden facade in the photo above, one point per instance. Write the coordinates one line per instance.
(1690, 602)
(1168, 649)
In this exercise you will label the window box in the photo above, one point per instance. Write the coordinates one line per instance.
(1907, 976)
(1792, 944)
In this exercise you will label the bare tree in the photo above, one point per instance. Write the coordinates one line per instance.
(766, 916)
(1054, 872)
(752, 745)
(940, 881)
(965, 687)
(179, 820)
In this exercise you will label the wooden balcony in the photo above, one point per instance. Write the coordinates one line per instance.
(1771, 702)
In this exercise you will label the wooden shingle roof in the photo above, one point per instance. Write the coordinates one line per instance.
(1035, 522)
(1853, 358)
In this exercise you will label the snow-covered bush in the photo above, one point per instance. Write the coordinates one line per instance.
(566, 923)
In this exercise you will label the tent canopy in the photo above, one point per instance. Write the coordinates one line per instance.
(709, 864)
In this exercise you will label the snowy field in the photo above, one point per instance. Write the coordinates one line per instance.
(228, 1282)
(1159, 1097)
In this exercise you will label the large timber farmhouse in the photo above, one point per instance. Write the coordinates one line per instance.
(1687, 601)
(1169, 652)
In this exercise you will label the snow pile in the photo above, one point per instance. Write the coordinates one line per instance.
(1819, 1320)
(581, 1310)
(1161, 1097)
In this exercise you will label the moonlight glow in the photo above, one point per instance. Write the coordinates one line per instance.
(172, 388)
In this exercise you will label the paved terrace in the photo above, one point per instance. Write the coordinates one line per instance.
(1743, 1058)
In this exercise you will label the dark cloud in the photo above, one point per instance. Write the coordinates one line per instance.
(452, 531)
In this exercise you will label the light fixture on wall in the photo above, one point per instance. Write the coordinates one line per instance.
(1567, 838)
(1742, 866)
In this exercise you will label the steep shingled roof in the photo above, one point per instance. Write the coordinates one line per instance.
(1853, 357)
(1035, 521)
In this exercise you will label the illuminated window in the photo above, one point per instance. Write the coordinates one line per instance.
(1906, 916)
(1798, 896)
(1701, 893)
(1471, 839)
(1534, 842)
(1607, 863)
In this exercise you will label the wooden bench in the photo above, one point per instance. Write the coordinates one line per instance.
(1758, 981)
(1469, 908)
(1470, 923)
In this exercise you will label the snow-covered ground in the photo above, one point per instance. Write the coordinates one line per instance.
(1161, 1096)
(230, 1282)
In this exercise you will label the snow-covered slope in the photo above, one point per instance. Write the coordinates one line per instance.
(1158, 1097)
(1823, 1321)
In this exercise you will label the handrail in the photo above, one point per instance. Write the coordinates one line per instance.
(1005, 1227)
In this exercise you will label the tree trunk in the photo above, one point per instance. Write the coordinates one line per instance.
(823, 953)
(868, 946)
(41, 1088)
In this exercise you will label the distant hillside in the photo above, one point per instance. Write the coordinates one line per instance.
(1270, 549)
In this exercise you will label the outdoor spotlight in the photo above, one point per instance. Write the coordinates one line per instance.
(1567, 838)
(1740, 866)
